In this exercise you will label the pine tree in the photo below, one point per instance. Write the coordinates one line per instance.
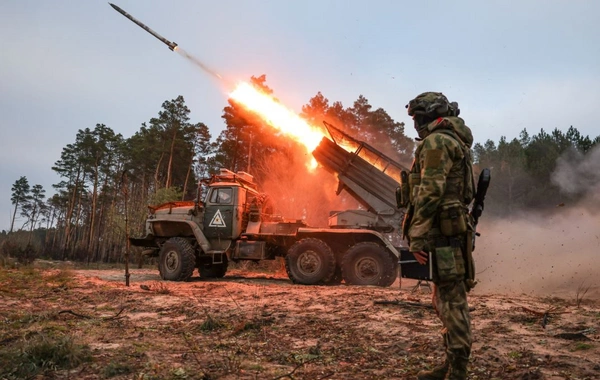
(20, 196)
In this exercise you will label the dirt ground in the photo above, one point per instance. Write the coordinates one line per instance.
(252, 325)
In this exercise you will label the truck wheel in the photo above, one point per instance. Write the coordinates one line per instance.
(309, 262)
(177, 260)
(369, 263)
(213, 270)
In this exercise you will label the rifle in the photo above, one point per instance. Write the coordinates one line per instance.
(482, 186)
(478, 204)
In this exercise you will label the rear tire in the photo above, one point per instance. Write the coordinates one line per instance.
(309, 262)
(177, 260)
(369, 263)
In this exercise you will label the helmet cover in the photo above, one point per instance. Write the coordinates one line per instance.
(432, 104)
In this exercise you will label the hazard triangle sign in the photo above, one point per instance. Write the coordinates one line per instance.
(217, 220)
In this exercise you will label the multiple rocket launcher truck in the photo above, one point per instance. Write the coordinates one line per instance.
(235, 222)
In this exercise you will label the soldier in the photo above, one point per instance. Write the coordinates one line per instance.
(437, 221)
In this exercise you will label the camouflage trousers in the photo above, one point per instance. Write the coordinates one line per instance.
(450, 303)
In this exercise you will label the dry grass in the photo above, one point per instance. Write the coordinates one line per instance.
(35, 342)
(582, 290)
(262, 328)
(41, 353)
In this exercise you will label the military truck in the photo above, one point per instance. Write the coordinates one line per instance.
(235, 222)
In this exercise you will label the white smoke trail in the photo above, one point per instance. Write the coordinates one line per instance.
(198, 63)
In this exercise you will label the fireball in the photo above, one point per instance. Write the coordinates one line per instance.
(278, 116)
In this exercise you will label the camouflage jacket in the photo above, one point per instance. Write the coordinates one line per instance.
(443, 171)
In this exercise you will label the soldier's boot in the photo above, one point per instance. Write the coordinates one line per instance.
(458, 368)
(437, 373)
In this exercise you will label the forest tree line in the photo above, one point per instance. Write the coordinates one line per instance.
(103, 174)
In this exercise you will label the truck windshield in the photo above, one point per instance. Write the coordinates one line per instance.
(221, 196)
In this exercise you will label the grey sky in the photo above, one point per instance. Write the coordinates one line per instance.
(67, 65)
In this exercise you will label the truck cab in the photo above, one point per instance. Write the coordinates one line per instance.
(227, 205)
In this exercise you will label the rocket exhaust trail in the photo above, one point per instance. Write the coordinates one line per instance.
(172, 45)
(198, 63)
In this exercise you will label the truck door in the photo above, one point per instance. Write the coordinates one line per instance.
(220, 213)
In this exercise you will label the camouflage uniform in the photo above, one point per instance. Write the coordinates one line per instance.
(437, 221)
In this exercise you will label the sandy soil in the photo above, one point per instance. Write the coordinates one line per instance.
(261, 326)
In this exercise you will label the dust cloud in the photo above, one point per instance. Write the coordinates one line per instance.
(548, 253)
(540, 254)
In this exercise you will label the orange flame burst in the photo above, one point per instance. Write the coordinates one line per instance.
(278, 116)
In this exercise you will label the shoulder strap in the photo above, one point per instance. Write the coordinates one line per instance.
(469, 180)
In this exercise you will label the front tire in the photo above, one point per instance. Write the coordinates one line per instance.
(369, 263)
(213, 270)
(309, 262)
(177, 260)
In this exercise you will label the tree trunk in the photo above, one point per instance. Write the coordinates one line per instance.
(78, 231)
(109, 233)
(69, 215)
(56, 236)
(90, 237)
(12, 223)
(95, 244)
(49, 223)
(33, 221)
(187, 177)
(169, 167)
(156, 184)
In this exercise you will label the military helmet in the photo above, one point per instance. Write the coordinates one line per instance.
(431, 104)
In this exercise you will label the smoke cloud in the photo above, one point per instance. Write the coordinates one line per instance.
(300, 193)
(578, 174)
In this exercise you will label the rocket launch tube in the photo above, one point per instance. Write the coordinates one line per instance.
(171, 45)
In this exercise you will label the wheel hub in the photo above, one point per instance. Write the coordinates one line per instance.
(172, 261)
(367, 268)
(309, 263)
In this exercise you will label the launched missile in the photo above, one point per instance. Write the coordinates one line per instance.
(171, 45)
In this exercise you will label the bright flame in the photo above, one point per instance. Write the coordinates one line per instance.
(290, 124)
(278, 116)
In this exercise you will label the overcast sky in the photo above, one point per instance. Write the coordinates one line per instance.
(68, 65)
